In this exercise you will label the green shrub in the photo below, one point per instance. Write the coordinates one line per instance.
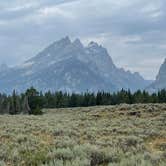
(37, 111)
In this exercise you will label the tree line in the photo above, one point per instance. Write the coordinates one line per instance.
(32, 101)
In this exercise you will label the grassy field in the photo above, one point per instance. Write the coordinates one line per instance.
(124, 135)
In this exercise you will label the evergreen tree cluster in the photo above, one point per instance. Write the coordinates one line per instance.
(14, 104)
(25, 103)
(32, 101)
(62, 100)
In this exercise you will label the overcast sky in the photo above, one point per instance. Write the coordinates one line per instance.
(133, 31)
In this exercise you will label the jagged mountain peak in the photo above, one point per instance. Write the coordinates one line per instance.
(160, 82)
(67, 64)
(161, 76)
(98, 50)
(64, 41)
(78, 43)
(52, 51)
(93, 44)
(59, 44)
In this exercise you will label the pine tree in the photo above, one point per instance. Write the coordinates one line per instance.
(99, 98)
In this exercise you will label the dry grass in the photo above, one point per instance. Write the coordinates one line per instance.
(124, 135)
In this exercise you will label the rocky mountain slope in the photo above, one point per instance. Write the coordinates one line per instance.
(72, 67)
(160, 82)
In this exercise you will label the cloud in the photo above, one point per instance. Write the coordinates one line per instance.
(54, 11)
(133, 31)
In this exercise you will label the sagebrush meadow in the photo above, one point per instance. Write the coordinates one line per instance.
(121, 135)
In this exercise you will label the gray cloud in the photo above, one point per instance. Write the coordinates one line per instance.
(133, 31)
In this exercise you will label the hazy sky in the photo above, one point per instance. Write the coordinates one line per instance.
(133, 31)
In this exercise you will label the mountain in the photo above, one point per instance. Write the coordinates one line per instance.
(160, 82)
(72, 67)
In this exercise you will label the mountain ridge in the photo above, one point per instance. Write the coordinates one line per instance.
(72, 67)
